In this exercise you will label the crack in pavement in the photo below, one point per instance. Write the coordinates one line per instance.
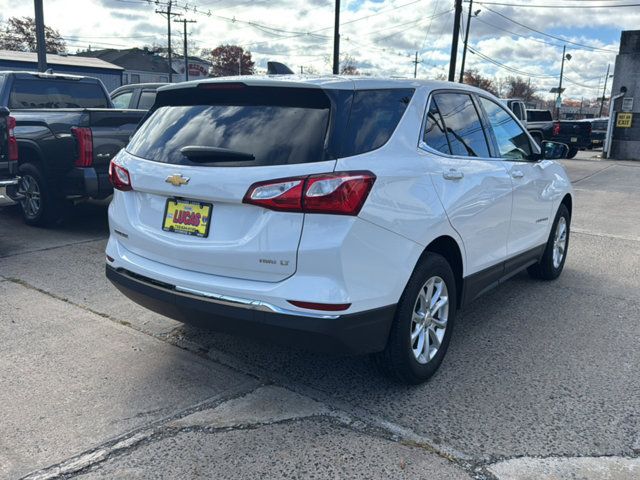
(45, 249)
(127, 441)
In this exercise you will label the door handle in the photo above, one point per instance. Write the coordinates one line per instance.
(452, 174)
(517, 174)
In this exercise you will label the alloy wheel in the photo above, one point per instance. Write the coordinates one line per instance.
(429, 320)
(559, 242)
(30, 190)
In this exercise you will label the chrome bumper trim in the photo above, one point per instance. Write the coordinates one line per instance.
(251, 304)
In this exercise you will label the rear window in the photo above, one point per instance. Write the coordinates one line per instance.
(56, 93)
(277, 127)
(539, 116)
(601, 125)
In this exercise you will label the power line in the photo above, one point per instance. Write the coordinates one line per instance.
(547, 34)
(523, 5)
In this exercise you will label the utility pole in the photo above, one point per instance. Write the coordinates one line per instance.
(454, 41)
(40, 40)
(184, 22)
(415, 66)
(466, 41)
(604, 90)
(336, 41)
(240, 65)
(169, 14)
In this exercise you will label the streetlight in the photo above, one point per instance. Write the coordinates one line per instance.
(466, 39)
(565, 56)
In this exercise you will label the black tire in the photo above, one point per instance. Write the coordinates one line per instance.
(545, 269)
(397, 360)
(40, 207)
(573, 151)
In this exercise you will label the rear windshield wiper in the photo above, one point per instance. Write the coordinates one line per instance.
(209, 154)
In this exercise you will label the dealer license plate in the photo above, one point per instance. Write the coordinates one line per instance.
(187, 217)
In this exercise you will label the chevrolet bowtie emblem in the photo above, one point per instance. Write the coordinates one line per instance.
(177, 180)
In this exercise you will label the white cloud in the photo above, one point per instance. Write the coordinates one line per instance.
(299, 33)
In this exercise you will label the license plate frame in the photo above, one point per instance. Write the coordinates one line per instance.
(168, 220)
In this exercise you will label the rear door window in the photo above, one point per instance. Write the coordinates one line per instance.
(277, 126)
(122, 100)
(56, 93)
(374, 116)
(147, 97)
(462, 123)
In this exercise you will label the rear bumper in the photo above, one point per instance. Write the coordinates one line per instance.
(355, 333)
(87, 182)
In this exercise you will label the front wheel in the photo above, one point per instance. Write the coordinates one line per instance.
(555, 253)
(423, 323)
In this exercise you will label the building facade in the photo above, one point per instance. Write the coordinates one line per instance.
(108, 73)
(625, 121)
(140, 65)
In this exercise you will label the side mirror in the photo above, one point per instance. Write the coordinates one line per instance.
(554, 150)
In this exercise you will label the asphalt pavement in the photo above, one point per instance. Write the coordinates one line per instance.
(540, 381)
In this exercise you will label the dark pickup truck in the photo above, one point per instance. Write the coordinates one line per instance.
(575, 134)
(67, 131)
(8, 150)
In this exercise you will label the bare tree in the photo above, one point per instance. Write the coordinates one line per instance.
(348, 66)
(473, 77)
(517, 87)
(230, 60)
(19, 34)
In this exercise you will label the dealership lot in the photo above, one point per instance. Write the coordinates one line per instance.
(95, 385)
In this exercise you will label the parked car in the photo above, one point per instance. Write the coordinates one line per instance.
(576, 134)
(67, 131)
(349, 215)
(8, 150)
(598, 131)
(136, 96)
(540, 124)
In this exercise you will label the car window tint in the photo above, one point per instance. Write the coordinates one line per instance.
(434, 133)
(122, 100)
(274, 135)
(146, 99)
(374, 116)
(462, 123)
(56, 93)
(513, 142)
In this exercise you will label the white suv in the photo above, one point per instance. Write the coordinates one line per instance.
(349, 215)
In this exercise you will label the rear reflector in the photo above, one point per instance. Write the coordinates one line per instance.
(342, 193)
(13, 142)
(119, 177)
(328, 307)
(84, 140)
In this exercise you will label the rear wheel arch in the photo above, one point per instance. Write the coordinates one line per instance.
(567, 201)
(448, 248)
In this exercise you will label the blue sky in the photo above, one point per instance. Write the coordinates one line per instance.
(380, 36)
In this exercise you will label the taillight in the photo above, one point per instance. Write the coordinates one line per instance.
(341, 193)
(84, 140)
(13, 142)
(556, 129)
(119, 177)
